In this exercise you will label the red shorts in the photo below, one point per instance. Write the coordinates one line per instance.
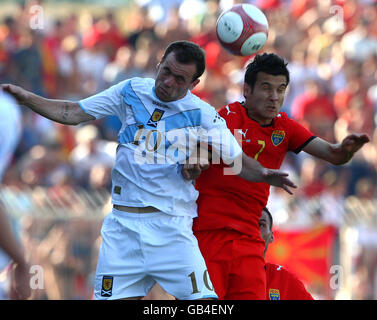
(235, 264)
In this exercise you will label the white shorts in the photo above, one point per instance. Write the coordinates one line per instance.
(139, 249)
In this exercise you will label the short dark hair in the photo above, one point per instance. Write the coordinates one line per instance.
(188, 52)
(269, 63)
(269, 216)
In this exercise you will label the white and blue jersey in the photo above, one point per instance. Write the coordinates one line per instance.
(155, 139)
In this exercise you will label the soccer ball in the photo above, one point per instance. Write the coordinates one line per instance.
(242, 29)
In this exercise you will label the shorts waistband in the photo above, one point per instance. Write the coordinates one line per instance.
(136, 209)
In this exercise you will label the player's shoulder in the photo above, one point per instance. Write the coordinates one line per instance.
(197, 102)
(281, 270)
(277, 268)
(209, 115)
(231, 110)
(137, 80)
(138, 83)
(283, 121)
(193, 101)
(142, 88)
(282, 116)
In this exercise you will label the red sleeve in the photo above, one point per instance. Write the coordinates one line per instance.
(284, 285)
(297, 290)
(300, 136)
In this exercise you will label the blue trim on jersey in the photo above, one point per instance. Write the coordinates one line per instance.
(81, 106)
(128, 135)
(189, 118)
(130, 97)
(184, 119)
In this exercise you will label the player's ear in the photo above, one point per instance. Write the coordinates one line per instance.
(272, 237)
(194, 84)
(246, 90)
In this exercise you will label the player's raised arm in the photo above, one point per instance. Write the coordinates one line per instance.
(65, 112)
(339, 153)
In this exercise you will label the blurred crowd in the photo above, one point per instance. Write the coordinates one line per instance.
(330, 47)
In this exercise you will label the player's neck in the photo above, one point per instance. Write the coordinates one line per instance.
(264, 122)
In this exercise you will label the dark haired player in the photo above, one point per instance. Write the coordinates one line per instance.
(229, 207)
(281, 284)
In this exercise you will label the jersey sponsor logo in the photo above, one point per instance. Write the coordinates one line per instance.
(159, 104)
(274, 294)
(277, 137)
(155, 117)
(107, 286)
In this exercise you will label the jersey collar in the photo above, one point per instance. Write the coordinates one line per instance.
(244, 110)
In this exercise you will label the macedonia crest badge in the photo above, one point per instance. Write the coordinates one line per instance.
(277, 137)
(274, 294)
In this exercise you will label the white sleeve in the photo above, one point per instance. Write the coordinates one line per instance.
(105, 103)
(216, 133)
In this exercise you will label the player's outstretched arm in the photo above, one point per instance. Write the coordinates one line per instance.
(339, 153)
(253, 171)
(65, 112)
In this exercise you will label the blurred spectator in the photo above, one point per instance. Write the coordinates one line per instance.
(314, 109)
(42, 165)
(91, 61)
(110, 35)
(360, 43)
(27, 62)
(51, 51)
(123, 67)
(352, 103)
(299, 72)
(89, 153)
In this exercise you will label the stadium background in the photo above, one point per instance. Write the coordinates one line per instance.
(57, 187)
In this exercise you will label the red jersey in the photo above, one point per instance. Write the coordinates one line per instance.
(284, 285)
(230, 202)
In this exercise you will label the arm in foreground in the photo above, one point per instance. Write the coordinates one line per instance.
(250, 170)
(253, 171)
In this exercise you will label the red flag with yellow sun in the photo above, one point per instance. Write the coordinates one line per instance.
(308, 253)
